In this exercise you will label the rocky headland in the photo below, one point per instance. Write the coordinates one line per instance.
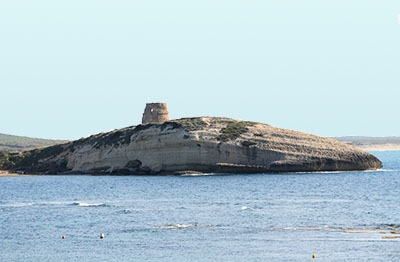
(194, 145)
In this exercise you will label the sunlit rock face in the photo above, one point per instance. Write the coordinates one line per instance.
(200, 145)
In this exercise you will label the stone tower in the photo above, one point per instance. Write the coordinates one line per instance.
(155, 113)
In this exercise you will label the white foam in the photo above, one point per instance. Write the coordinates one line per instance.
(54, 203)
(83, 204)
(177, 226)
(246, 208)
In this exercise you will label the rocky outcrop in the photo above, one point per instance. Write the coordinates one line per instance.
(198, 145)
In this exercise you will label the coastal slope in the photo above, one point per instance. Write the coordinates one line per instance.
(196, 145)
(12, 143)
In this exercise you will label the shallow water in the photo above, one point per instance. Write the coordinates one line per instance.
(339, 216)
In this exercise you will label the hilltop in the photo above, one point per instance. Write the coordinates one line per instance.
(195, 145)
(12, 143)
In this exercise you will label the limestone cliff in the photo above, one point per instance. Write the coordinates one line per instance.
(198, 145)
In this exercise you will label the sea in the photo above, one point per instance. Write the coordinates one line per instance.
(330, 216)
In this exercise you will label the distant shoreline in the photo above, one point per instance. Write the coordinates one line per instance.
(6, 173)
(366, 143)
(380, 147)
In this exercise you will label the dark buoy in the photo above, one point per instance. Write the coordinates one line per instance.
(62, 237)
(314, 256)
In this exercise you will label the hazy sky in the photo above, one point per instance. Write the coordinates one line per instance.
(69, 69)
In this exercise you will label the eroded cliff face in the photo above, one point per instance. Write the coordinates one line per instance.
(200, 145)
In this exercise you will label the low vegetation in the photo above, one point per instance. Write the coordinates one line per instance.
(19, 143)
(6, 162)
(191, 124)
(119, 137)
(33, 160)
(233, 130)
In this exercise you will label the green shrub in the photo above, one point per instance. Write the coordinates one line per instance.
(232, 131)
(8, 160)
(191, 124)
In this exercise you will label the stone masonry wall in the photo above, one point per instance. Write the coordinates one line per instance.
(155, 113)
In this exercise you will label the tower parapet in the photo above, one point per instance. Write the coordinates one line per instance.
(155, 113)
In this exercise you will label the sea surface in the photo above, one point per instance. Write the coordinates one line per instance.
(340, 216)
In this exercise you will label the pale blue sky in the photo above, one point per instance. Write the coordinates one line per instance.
(69, 69)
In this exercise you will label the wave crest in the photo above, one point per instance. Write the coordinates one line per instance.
(177, 226)
(83, 204)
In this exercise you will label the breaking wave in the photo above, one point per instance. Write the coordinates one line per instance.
(83, 204)
(177, 226)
